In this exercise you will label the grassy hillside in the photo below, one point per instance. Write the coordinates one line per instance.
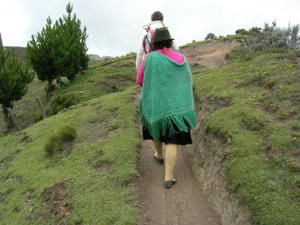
(91, 182)
(102, 77)
(253, 106)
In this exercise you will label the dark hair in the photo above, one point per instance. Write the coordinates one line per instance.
(163, 44)
(157, 15)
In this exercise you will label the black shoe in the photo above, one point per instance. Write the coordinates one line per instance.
(160, 161)
(170, 183)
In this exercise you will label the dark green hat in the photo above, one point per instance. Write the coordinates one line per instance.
(162, 34)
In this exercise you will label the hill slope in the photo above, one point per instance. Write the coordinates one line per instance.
(102, 77)
(251, 106)
(90, 185)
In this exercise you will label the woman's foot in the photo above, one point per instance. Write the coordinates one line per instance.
(170, 183)
(157, 158)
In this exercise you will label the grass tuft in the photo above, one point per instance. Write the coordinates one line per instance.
(56, 141)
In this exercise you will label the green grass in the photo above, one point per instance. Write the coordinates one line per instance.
(259, 123)
(93, 184)
(101, 78)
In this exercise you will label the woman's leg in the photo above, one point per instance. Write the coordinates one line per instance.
(170, 161)
(158, 148)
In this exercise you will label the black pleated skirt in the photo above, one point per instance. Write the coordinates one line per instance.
(180, 138)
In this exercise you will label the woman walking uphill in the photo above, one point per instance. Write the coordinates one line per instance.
(166, 107)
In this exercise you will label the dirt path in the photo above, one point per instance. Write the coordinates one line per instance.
(183, 204)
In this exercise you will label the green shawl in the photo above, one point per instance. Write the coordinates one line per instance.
(167, 96)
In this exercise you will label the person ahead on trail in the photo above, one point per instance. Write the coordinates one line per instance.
(146, 42)
(166, 106)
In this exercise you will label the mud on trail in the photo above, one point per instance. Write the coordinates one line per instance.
(183, 204)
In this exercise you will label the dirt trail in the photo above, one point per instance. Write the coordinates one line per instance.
(183, 204)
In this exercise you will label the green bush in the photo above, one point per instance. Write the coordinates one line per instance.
(272, 37)
(210, 36)
(61, 102)
(56, 142)
(242, 32)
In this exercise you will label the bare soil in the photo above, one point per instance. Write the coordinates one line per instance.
(210, 54)
(55, 199)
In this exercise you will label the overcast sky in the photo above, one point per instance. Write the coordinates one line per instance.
(115, 26)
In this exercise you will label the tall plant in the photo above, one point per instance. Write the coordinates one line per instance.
(14, 80)
(44, 53)
(59, 49)
(73, 43)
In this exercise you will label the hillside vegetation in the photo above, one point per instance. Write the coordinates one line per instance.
(102, 77)
(253, 106)
(91, 180)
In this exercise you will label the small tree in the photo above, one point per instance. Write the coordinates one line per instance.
(14, 80)
(73, 44)
(44, 52)
(59, 49)
(210, 36)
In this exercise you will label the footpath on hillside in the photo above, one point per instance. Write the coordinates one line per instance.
(184, 203)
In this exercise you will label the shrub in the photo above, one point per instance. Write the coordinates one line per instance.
(241, 31)
(61, 102)
(254, 30)
(210, 36)
(56, 142)
(272, 37)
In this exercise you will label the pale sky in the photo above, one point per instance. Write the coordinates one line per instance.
(115, 26)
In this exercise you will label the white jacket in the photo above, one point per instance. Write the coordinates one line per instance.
(140, 53)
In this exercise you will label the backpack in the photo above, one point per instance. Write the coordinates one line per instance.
(148, 45)
(147, 40)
